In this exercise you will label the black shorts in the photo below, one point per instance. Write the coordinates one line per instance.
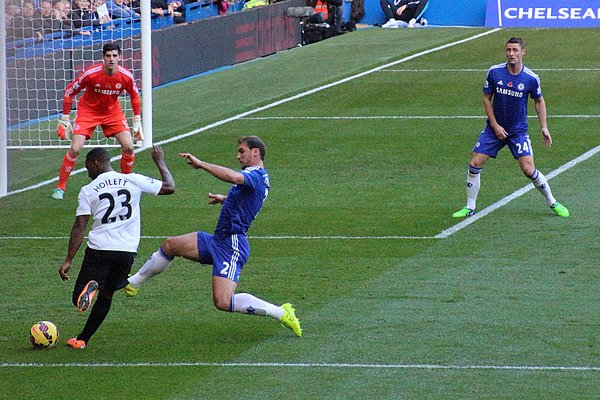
(109, 268)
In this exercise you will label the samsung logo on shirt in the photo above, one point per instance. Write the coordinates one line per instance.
(109, 92)
(509, 92)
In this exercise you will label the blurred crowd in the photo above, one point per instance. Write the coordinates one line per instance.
(35, 19)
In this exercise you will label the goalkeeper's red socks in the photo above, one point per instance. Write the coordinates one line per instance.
(66, 167)
(127, 160)
(68, 164)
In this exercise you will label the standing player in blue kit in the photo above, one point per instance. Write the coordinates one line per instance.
(510, 85)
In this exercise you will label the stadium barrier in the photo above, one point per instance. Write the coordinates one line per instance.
(200, 10)
(166, 21)
(228, 39)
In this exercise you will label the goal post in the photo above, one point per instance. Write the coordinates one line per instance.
(3, 126)
(146, 73)
(34, 74)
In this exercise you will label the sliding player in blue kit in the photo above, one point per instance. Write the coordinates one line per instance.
(227, 249)
(510, 85)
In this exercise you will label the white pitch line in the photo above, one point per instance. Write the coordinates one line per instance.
(480, 214)
(485, 70)
(356, 117)
(442, 235)
(249, 237)
(277, 103)
(537, 368)
(343, 237)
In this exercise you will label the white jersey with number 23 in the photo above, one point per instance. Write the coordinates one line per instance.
(113, 201)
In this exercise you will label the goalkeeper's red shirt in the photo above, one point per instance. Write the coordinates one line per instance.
(101, 95)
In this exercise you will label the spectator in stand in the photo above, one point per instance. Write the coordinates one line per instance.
(177, 10)
(174, 8)
(24, 23)
(158, 7)
(255, 3)
(61, 22)
(119, 9)
(83, 16)
(12, 10)
(223, 6)
(95, 4)
(404, 13)
(57, 19)
(44, 22)
(68, 8)
(45, 11)
(135, 5)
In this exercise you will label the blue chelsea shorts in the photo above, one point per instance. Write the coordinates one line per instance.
(518, 144)
(227, 256)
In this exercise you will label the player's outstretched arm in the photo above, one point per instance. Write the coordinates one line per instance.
(191, 160)
(218, 171)
(168, 183)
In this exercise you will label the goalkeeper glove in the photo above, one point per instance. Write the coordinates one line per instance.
(136, 130)
(64, 127)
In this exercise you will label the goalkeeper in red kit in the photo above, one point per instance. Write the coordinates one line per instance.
(99, 106)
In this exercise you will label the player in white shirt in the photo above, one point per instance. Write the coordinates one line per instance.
(113, 201)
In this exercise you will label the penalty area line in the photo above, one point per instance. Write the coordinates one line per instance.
(540, 368)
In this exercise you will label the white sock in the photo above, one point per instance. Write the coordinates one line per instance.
(473, 185)
(245, 303)
(540, 182)
(157, 263)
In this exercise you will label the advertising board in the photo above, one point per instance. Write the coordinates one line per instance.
(543, 13)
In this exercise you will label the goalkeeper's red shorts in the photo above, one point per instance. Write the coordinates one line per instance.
(111, 125)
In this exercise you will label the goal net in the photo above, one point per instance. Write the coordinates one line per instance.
(40, 62)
